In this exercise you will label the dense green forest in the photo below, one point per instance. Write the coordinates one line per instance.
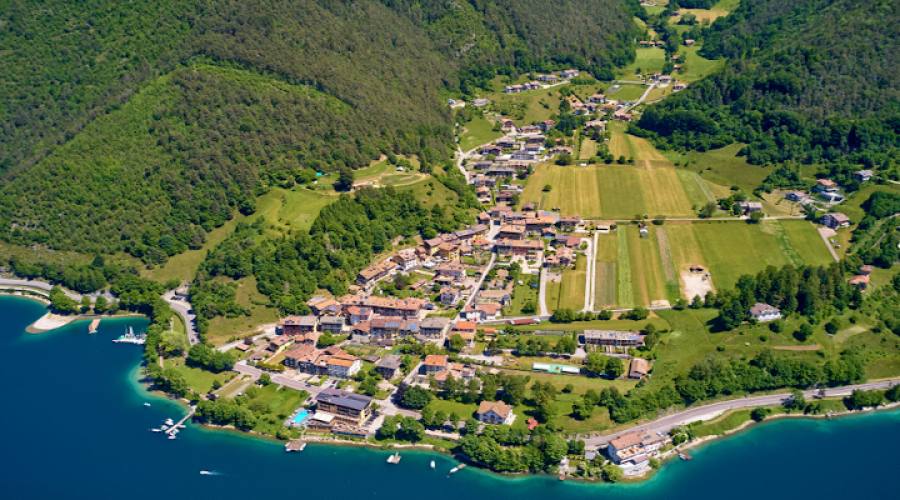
(138, 127)
(513, 36)
(810, 80)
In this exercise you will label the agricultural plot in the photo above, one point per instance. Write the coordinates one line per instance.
(647, 269)
(732, 249)
(588, 149)
(571, 290)
(607, 255)
(612, 191)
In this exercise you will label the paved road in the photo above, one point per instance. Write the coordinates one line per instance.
(41, 287)
(589, 270)
(477, 286)
(709, 219)
(542, 294)
(823, 234)
(668, 422)
(183, 308)
(643, 96)
(593, 276)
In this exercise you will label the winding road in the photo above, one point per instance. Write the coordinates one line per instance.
(185, 311)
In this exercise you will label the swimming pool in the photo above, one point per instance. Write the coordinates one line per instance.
(300, 417)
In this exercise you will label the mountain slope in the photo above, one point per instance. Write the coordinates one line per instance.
(139, 126)
(813, 80)
(526, 35)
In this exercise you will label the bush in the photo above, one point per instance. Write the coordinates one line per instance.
(759, 414)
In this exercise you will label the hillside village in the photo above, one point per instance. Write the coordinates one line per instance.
(589, 281)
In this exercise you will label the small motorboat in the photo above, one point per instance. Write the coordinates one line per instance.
(156, 429)
(432, 464)
(172, 436)
(457, 469)
(170, 422)
(394, 459)
(147, 404)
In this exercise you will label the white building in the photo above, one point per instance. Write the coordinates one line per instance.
(764, 312)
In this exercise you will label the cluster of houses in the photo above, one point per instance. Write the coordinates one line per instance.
(541, 80)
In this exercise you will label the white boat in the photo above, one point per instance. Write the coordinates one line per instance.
(457, 469)
(164, 427)
(432, 464)
(170, 422)
(156, 429)
(207, 473)
(130, 337)
(147, 404)
(172, 436)
(394, 459)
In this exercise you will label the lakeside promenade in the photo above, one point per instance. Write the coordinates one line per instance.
(668, 422)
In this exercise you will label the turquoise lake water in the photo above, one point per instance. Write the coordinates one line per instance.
(75, 426)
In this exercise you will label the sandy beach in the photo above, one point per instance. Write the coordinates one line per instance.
(49, 322)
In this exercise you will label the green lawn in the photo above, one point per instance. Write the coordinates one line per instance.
(607, 254)
(200, 381)
(273, 404)
(696, 67)
(734, 248)
(522, 294)
(647, 60)
(285, 210)
(571, 294)
(626, 92)
(477, 132)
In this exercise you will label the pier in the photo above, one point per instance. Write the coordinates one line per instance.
(171, 431)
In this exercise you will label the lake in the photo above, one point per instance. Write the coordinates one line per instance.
(75, 426)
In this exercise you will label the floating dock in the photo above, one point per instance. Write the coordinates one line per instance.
(295, 445)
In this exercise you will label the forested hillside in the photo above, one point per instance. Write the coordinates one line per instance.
(139, 126)
(811, 80)
(525, 35)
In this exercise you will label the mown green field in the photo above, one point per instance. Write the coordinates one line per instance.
(568, 293)
(477, 132)
(735, 248)
(607, 254)
(647, 60)
(651, 186)
(285, 210)
(626, 92)
(696, 67)
(634, 271)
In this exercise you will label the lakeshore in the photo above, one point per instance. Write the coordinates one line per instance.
(248, 465)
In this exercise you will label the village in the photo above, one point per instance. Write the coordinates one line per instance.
(434, 315)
